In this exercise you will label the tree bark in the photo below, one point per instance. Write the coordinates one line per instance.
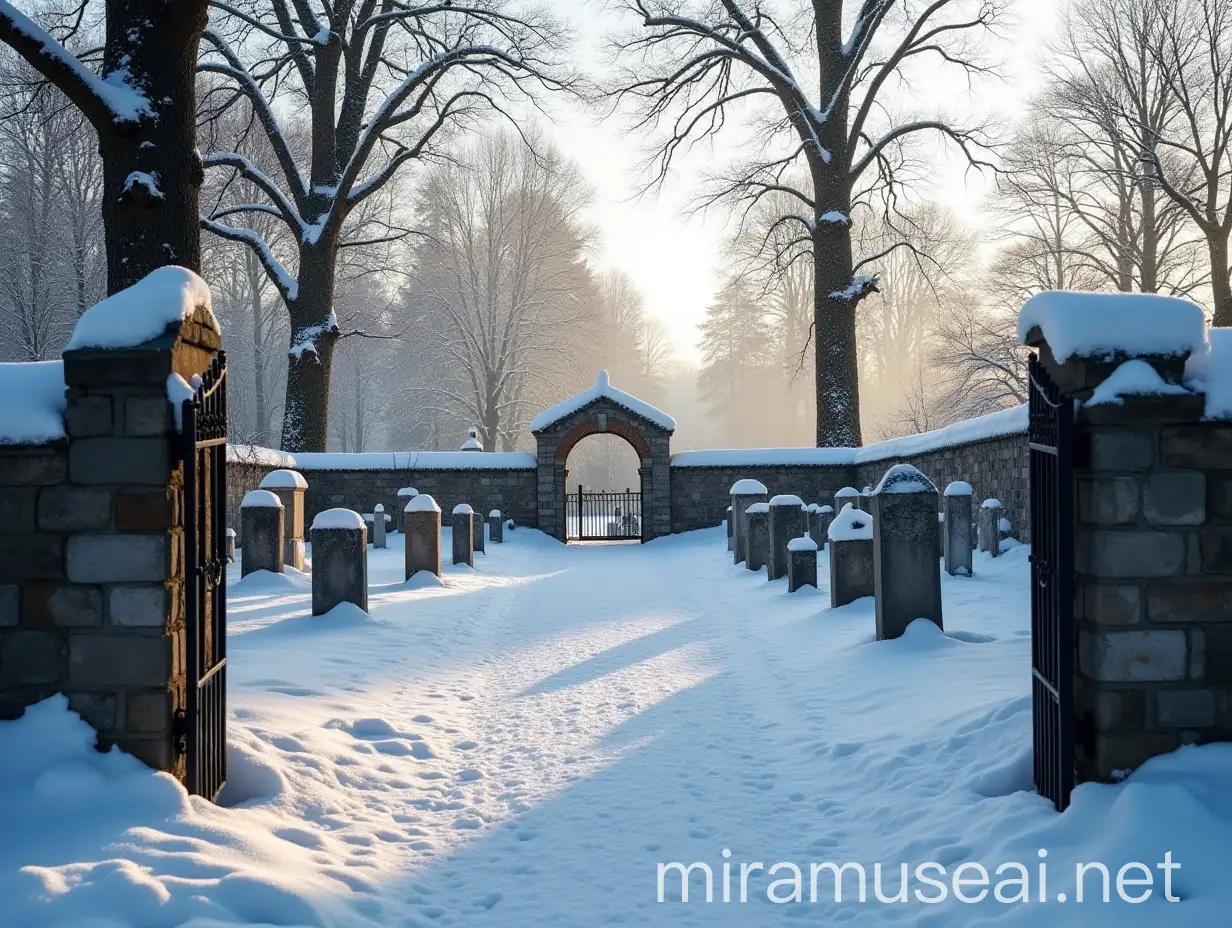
(1221, 286)
(314, 333)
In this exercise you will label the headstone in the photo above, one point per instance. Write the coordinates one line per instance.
(339, 560)
(261, 520)
(378, 526)
(801, 563)
(496, 527)
(731, 535)
(991, 514)
(786, 522)
(290, 486)
(824, 516)
(906, 552)
(230, 545)
(847, 495)
(866, 500)
(463, 535)
(421, 521)
(477, 532)
(744, 493)
(756, 535)
(851, 556)
(405, 495)
(957, 526)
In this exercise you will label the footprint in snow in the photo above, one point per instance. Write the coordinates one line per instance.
(469, 774)
(466, 745)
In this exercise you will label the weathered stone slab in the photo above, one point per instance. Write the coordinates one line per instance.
(801, 563)
(262, 524)
(477, 532)
(956, 526)
(421, 521)
(463, 535)
(851, 556)
(756, 535)
(744, 493)
(339, 560)
(787, 521)
(496, 527)
(906, 553)
(379, 520)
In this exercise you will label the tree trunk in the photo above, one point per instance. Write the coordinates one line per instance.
(259, 348)
(1150, 233)
(152, 223)
(1221, 287)
(314, 332)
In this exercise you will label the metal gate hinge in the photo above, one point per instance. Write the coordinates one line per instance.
(179, 731)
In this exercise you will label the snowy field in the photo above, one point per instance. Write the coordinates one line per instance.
(525, 744)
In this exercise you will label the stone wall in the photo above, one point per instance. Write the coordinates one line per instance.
(700, 494)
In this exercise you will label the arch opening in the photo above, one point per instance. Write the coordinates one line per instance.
(604, 469)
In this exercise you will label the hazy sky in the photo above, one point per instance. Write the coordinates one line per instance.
(676, 259)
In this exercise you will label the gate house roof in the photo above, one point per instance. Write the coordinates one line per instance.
(602, 389)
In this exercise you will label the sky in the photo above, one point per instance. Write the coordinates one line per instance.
(676, 258)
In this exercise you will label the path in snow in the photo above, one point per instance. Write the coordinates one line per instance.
(525, 744)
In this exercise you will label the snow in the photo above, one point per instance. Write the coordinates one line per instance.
(959, 488)
(762, 457)
(147, 183)
(415, 460)
(472, 444)
(1107, 325)
(825, 509)
(1132, 378)
(164, 297)
(803, 543)
(1004, 526)
(32, 410)
(523, 745)
(835, 215)
(179, 392)
(1210, 372)
(423, 502)
(494, 514)
(904, 478)
(991, 504)
(847, 493)
(786, 499)
(851, 524)
(306, 338)
(859, 285)
(758, 507)
(257, 456)
(260, 499)
(407, 491)
(284, 479)
(747, 487)
(602, 389)
(379, 508)
(463, 509)
(338, 519)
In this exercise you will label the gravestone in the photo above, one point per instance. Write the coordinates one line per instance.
(866, 500)
(756, 535)
(851, 556)
(731, 532)
(261, 519)
(230, 545)
(825, 515)
(496, 527)
(991, 513)
(847, 495)
(405, 495)
(801, 563)
(958, 560)
(477, 532)
(786, 522)
(378, 526)
(463, 535)
(290, 486)
(744, 493)
(906, 551)
(421, 521)
(339, 560)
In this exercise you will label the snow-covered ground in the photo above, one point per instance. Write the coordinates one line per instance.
(525, 744)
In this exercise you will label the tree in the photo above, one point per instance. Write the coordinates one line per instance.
(736, 378)
(383, 83)
(142, 104)
(701, 65)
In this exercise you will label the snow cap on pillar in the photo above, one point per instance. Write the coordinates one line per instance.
(904, 478)
(747, 487)
(959, 488)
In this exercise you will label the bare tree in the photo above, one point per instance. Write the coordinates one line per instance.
(383, 83)
(697, 66)
(982, 366)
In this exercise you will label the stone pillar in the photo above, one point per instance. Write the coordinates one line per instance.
(991, 512)
(405, 495)
(421, 521)
(825, 515)
(866, 499)
(957, 529)
(496, 527)
(851, 556)
(756, 535)
(289, 486)
(463, 535)
(731, 535)
(378, 526)
(477, 532)
(264, 545)
(230, 545)
(801, 563)
(847, 495)
(744, 493)
(906, 551)
(786, 522)
(339, 560)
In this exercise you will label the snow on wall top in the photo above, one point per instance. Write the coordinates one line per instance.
(786, 499)
(1133, 378)
(803, 543)
(33, 409)
(284, 479)
(761, 457)
(258, 456)
(602, 389)
(338, 518)
(959, 488)
(904, 478)
(415, 460)
(1099, 325)
(424, 502)
(851, 524)
(261, 499)
(747, 487)
(164, 297)
(1210, 371)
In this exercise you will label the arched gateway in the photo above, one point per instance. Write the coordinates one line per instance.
(604, 409)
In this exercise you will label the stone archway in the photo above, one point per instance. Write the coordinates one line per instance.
(604, 409)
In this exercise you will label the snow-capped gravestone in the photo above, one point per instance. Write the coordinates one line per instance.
(290, 486)
(477, 532)
(787, 521)
(956, 528)
(405, 495)
(262, 524)
(731, 531)
(847, 495)
(991, 514)
(463, 535)
(496, 527)
(906, 551)
(379, 519)
(756, 535)
(230, 545)
(421, 521)
(819, 519)
(801, 563)
(744, 493)
(866, 499)
(851, 555)
(339, 560)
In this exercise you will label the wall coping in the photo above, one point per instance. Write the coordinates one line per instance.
(257, 456)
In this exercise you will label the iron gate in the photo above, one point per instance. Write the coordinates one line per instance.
(1051, 434)
(603, 516)
(203, 437)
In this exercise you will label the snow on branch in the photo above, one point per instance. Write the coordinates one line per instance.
(287, 285)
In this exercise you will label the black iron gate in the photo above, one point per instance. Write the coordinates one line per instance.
(203, 450)
(603, 516)
(1051, 435)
